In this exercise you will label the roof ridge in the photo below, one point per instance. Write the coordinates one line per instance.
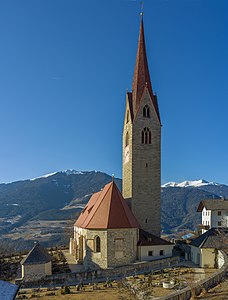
(110, 183)
(109, 211)
(121, 202)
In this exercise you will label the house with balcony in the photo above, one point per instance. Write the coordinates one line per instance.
(214, 213)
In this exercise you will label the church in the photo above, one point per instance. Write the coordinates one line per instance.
(117, 229)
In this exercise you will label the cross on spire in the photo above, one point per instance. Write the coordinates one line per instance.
(141, 79)
(142, 8)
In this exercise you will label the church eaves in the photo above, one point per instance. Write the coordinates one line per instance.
(107, 210)
(141, 79)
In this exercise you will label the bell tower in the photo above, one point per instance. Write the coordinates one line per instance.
(141, 157)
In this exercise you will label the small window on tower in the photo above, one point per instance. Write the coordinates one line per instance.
(146, 136)
(146, 111)
(127, 139)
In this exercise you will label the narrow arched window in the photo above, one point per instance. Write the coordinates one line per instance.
(146, 136)
(97, 244)
(146, 111)
(127, 139)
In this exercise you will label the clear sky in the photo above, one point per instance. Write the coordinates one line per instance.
(65, 66)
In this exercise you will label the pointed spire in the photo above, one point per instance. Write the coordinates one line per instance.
(141, 79)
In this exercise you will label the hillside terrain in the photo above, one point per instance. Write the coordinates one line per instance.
(45, 208)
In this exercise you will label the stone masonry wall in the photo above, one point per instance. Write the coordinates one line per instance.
(127, 163)
(128, 238)
(146, 170)
(102, 274)
(142, 170)
(93, 260)
(31, 272)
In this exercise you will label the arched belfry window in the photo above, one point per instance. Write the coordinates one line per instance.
(97, 245)
(127, 139)
(146, 136)
(146, 111)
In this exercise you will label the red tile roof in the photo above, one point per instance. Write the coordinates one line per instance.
(141, 79)
(107, 209)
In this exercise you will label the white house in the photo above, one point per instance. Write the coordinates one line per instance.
(204, 249)
(214, 213)
(151, 247)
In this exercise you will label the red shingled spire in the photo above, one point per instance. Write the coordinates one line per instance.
(141, 77)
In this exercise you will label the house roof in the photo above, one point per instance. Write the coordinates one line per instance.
(37, 255)
(213, 204)
(107, 209)
(148, 239)
(141, 79)
(212, 238)
(8, 291)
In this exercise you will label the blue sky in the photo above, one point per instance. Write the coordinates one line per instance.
(65, 66)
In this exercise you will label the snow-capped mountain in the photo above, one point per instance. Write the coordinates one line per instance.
(61, 196)
(66, 172)
(72, 171)
(44, 176)
(190, 183)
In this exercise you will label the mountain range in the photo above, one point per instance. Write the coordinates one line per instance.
(62, 195)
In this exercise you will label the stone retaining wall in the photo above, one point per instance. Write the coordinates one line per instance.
(102, 274)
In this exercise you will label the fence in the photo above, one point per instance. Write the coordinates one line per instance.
(207, 283)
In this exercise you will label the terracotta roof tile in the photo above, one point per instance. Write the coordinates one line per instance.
(107, 209)
(87, 209)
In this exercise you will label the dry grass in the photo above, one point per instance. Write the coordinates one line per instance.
(150, 284)
(102, 293)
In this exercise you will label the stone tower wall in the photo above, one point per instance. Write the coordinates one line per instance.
(127, 163)
(144, 180)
